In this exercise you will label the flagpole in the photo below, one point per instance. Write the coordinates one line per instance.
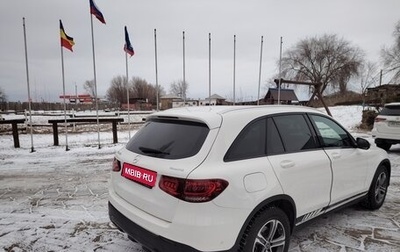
(209, 69)
(155, 55)
(95, 82)
(27, 81)
(65, 106)
(259, 71)
(234, 69)
(127, 93)
(184, 68)
(280, 72)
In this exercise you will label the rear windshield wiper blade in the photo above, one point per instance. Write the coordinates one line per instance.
(152, 151)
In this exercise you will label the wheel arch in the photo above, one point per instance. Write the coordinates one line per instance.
(386, 163)
(283, 202)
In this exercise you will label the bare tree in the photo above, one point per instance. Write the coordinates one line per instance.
(90, 87)
(179, 88)
(391, 56)
(142, 89)
(368, 76)
(117, 90)
(328, 60)
(3, 96)
(138, 88)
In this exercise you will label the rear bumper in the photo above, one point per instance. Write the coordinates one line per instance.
(196, 227)
(385, 136)
(146, 238)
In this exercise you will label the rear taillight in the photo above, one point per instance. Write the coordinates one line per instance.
(193, 190)
(379, 119)
(116, 165)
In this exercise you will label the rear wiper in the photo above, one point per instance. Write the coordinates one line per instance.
(152, 151)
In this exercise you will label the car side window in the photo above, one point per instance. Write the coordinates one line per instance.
(331, 134)
(274, 142)
(250, 143)
(295, 132)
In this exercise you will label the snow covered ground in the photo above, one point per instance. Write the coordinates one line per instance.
(56, 200)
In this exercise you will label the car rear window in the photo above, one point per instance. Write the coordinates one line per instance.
(391, 110)
(169, 139)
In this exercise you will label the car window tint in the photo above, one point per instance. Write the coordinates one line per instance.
(295, 133)
(169, 139)
(274, 142)
(332, 135)
(250, 143)
(393, 110)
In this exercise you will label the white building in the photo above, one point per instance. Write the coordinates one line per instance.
(173, 101)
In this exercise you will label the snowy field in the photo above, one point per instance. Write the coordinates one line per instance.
(56, 200)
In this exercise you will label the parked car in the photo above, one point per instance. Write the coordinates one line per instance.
(386, 129)
(239, 178)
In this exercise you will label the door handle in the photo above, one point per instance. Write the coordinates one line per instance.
(287, 164)
(336, 155)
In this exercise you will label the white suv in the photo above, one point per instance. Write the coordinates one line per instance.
(238, 178)
(386, 129)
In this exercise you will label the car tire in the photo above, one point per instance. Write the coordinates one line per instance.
(378, 189)
(384, 145)
(269, 230)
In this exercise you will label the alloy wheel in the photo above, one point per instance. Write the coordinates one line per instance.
(270, 238)
(381, 187)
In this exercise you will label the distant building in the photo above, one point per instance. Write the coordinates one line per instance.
(82, 98)
(287, 96)
(173, 101)
(383, 94)
(167, 101)
(213, 100)
(137, 104)
(187, 103)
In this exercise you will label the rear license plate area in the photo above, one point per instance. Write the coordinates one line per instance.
(140, 175)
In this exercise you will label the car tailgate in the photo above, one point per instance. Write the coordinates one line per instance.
(147, 195)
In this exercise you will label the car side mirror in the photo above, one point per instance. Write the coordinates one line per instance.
(362, 143)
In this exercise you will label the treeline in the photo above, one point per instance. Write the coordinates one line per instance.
(138, 88)
(22, 106)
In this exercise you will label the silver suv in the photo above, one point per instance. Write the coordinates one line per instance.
(386, 129)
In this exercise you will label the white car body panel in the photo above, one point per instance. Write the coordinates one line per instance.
(349, 168)
(191, 221)
(307, 179)
(383, 130)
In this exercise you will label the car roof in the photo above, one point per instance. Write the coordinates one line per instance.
(213, 115)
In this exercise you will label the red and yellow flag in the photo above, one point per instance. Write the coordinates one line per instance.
(66, 41)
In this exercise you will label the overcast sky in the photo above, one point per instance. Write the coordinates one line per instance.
(368, 24)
